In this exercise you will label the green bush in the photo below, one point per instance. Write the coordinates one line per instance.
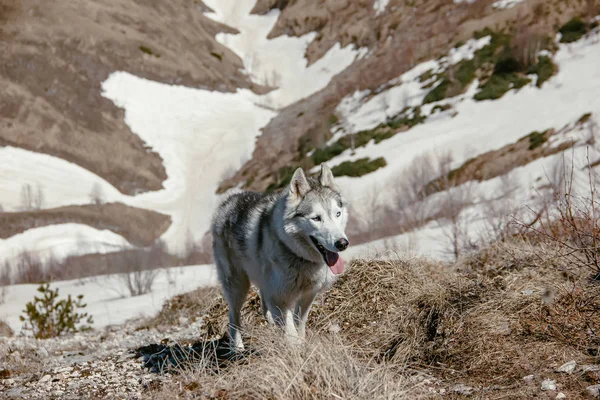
(536, 139)
(327, 153)
(48, 317)
(507, 65)
(498, 85)
(466, 72)
(437, 93)
(357, 168)
(573, 30)
(544, 69)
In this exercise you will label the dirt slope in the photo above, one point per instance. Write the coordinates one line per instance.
(54, 56)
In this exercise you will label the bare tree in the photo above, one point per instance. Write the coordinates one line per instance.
(26, 197)
(38, 199)
(29, 268)
(139, 272)
(454, 201)
(5, 280)
(97, 194)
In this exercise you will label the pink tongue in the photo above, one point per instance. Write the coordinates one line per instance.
(335, 262)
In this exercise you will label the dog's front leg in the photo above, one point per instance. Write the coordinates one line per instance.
(301, 311)
(284, 317)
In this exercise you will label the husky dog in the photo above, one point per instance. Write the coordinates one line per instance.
(286, 243)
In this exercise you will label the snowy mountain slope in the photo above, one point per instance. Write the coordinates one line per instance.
(201, 135)
(478, 126)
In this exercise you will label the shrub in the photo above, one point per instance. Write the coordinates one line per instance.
(466, 72)
(544, 69)
(437, 93)
(536, 139)
(327, 153)
(507, 65)
(48, 317)
(357, 168)
(572, 30)
(498, 85)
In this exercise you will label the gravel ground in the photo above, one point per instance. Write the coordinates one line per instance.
(85, 365)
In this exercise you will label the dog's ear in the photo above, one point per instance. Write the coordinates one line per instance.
(326, 178)
(299, 185)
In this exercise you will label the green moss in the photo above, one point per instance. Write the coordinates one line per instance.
(441, 107)
(498, 85)
(466, 72)
(507, 65)
(408, 119)
(437, 93)
(216, 55)
(425, 76)
(573, 30)
(482, 33)
(584, 118)
(333, 120)
(283, 178)
(327, 153)
(544, 69)
(536, 139)
(359, 167)
(148, 50)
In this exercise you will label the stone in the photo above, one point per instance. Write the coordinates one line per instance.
(463, 389)
(529, 378)
(548, 384)
(561, 395)
(593, 390)
(568, 367)
(45, 378)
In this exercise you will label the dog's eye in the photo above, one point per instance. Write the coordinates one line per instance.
(317, 218)
(338, 214)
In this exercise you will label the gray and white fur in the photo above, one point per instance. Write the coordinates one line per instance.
(284, 243)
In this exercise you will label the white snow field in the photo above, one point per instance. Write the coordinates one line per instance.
(107, 298)
(60, 241)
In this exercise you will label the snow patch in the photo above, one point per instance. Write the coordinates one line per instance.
(104, 295)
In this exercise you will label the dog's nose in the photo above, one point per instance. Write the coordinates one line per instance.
(341, 244)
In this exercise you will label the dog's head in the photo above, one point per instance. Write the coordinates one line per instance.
(317, 212)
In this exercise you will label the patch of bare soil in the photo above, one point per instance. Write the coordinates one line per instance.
(55, 55)
(139, 226)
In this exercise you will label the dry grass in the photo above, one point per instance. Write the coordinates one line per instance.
(323, 368)
(139, 226)
(486, 321)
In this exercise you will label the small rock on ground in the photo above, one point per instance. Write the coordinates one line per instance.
(548, 384)
(594, 390)
(568, 367)
(561, 395)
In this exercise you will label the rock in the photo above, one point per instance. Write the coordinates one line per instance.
(5, 330)
(42, 352)
(590, 368)
(568, 367)
(561, 395)
(548, 384)
(529, 378)
(45, 378)
(593, 390)
(463, 389)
